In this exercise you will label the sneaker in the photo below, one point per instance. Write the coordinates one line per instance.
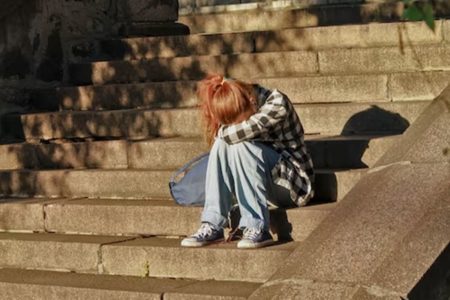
(206, 234)
(255, 238)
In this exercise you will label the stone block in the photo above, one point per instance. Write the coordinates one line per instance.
(339, 251)
(348, 36)
(50, 125)
(419, 268)
(149, 11)
(49, 251)
(22, 215)
(164, 153)
(345, 118)
(376, 148)
(122, 217)
(321, 89)
(432, 128)
(166, 258)
(193, 68)
(115, 184)
(17, 156)
(111, 154)
(133, 184)
(112, 217)
(347, 152)
(298, 223)
(359, 118)
(388, 59)
(29, 284)
(144, 95)
(255, 20)
(368, 88)
(417, 86)
(446, 29)
(211, 289)
(333, 186)
(305, 289)
(171, 46)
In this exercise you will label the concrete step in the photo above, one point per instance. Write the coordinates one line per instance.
(138, 217)
(331, 185)
(50, 285)
(302, 89)
(229, 18)
(153, 257)
(261, 19)
(268, 64)
(290, 39)
(329, 119)
(336, 152)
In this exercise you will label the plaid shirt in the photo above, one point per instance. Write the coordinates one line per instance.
(277, 124)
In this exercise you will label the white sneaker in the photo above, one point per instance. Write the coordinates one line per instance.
(255, 238)
(205, 235)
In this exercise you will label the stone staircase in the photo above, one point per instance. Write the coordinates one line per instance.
(86, 212)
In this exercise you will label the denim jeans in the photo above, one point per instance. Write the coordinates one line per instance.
(242, 171)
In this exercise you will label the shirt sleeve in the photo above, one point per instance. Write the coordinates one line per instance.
(271, 113)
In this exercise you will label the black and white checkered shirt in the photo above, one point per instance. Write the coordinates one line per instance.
(277, 124)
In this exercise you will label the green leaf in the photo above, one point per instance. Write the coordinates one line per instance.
(429, 15)
(413, 13)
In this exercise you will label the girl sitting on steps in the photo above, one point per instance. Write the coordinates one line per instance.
(258, 157)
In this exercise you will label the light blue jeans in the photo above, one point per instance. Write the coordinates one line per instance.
(242, 171)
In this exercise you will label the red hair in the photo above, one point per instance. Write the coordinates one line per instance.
(223, 101)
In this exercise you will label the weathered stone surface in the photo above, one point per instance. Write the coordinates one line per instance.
(255, 20)
(136, 124)
(142, 95)
(111, 154)
(17, 156)
(164, 153)
(354, 118)
(192, 68)
(432, 127)
(349, 36)
(166, 258)
(149, 11)
(330, 152)
(170, 46)
(288, 18)
(320, 89)
(298, 223)
(22, 215)
(388, 59)
(122, 217)
(28, 284)
(376, 148)
(414, 260)
(346, 118)
(335, 185)
(211, 289)
(156, 218)
(133, 184)
(50, 251)
(446, 31)
(347, 152)
(341, 251)
(417, 86)
(304, 289)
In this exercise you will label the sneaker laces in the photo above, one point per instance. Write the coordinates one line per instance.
(204, 231)
(251, 233)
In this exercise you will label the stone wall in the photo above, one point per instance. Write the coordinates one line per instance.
(38, 37)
